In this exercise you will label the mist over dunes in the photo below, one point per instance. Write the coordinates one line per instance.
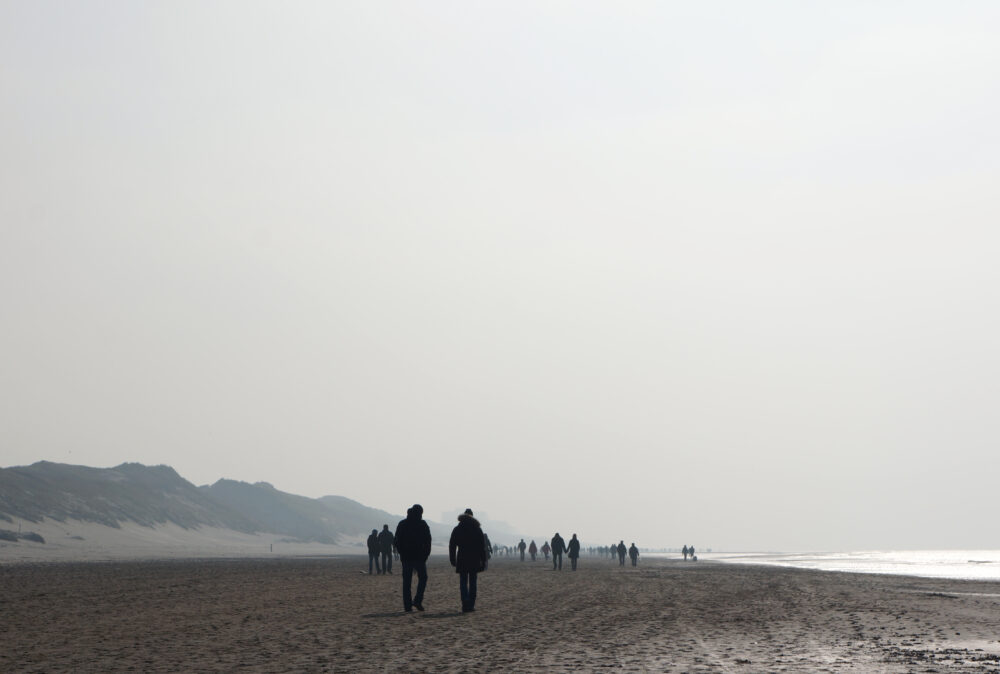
(132, 498)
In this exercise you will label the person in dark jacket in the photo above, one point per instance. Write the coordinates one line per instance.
(373, 552)
(385, 540)
(633, 553)
(533, 550)
(413, 541)
(521, 546)
(573, 550)
(467, 553)
(621, 553)
(558, 548)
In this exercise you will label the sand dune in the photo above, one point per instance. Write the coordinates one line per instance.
(74, 540)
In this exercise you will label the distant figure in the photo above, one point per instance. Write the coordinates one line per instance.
(467, 553)
(694, 557)
(685, 552)
(613, 551)
(521, 546)
(385, 541)
(532, 550)
(546, 549)
(573, 551)
(413, 540)
(633, 552)
(558, 548)
(489, 550)
(621, 552)
(373, 552)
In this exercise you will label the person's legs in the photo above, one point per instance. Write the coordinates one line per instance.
(463, 589)
(418, 598)
(473, 583)
(554, 556)
(386, 562)
(573, 562)
(407, 583)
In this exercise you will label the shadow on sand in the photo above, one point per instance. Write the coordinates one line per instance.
(390, 614)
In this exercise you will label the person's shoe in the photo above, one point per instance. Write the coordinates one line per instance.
(408, 609)
(418, 605)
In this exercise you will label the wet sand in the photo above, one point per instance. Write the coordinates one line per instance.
(323, 614)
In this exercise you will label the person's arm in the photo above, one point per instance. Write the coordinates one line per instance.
(452, 547)
(427, 545)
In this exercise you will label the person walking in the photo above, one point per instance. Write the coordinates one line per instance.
(558, 548)
(521, 546)
(621, 553)
(684, 551)
(413, 541)
(532, 550)
(489, 550)
(694, 557)
(633, 553)
(467, 553)
(573, 551)
(385, 541)
(373, 552)
(546, 549)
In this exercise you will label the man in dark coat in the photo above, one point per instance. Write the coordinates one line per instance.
(633, 553)
(373, 552)
(385, 540)
(467, 552)
(621, 553)
(413, 541)
(558, 548)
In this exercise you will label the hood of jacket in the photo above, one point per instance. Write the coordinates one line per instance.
(468, 520)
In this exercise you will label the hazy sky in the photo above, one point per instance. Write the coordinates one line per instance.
(716, 273)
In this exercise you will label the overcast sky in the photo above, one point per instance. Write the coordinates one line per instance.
(716, 273)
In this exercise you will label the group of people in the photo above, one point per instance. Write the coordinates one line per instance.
(469, 551)
(381, 545)
(557, 547)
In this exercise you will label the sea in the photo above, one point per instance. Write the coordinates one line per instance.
(958, 564)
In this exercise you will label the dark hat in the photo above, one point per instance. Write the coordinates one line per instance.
(418, 509)
(468, 511)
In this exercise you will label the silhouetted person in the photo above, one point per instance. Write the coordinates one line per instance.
(694, 557)
(385, 540)
(573, 551)
(621, 553)
(467, 553)
(558, 548)
(373, 552)
(413, 540)
(489, 550)
(532, 550)
(521, 546)
(613, 551)
(685, 552)
(546, 549)
(633, 553)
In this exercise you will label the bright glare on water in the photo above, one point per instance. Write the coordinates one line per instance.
(960, 564)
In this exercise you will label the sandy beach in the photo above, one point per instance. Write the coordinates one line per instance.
(325, 614)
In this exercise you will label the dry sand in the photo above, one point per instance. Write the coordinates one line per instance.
(323, 614)
(73, 540)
